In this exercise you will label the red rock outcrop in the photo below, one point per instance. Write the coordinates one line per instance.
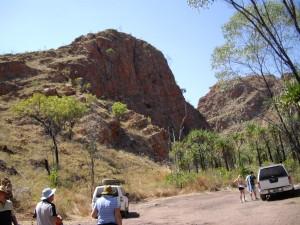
(113, 66)
(226, 107)
(123, 68)
(12, 69)
(118, 67)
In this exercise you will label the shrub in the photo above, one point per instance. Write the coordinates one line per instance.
(53, 177)
(118, 109)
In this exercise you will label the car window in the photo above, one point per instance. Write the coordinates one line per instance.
(100, 190)
(276, 171)
(115, 191)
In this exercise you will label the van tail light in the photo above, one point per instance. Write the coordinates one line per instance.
(258, 184)
(290, 179)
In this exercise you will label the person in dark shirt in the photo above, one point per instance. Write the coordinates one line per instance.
(7, 216)
(250, 180)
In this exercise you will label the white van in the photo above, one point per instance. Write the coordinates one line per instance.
(273, 179)
(120, 195)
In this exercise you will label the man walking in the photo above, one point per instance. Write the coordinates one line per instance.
(250, 180)
(45, 211)
(107, 208)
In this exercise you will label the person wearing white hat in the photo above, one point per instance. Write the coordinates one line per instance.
(7, 216)
(45, 211)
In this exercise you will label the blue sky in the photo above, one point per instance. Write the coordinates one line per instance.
(185, 35)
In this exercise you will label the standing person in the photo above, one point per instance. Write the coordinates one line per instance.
(107, 208)
(241, 186)
(8, 187)
(250, 180)
(7, 215)
(45, 211)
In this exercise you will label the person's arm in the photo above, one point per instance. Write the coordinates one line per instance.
(14, 219)
(94, 213)
(118, 216)
(59, 220)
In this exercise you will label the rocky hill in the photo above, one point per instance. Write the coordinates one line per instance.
(229, 105)
(113, 66)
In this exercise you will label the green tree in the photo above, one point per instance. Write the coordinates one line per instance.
(179, 154)
(262, 38)
(224, 149)
(118, 109)
(265, 32)
(53, 113)
(238, 140)
(253, 133)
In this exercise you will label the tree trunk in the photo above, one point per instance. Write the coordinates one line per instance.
(282, 147)
(55, 149)
(225, 159)
(92, 174)
(269, 149)
(258, 154)
(239, 157)
(196, 164)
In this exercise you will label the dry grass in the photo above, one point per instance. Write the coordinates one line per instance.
(143, 177)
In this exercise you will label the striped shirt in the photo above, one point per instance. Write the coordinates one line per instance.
(106, 206)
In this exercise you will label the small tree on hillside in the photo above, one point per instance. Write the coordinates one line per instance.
(118, 109)
(53, 113)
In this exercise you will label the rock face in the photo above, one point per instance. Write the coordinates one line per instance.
(242, 100)
(123, 68)
(118, 67)
(115, 67)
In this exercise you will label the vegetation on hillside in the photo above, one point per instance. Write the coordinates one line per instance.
(55, 114)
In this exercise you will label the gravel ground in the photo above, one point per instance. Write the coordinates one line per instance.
(222, 208)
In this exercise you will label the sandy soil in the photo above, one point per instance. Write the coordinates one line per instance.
(222, 208)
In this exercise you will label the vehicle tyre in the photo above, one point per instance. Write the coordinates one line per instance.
(263, 197)
(125, 213)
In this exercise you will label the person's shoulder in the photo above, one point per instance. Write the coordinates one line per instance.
(8, 205)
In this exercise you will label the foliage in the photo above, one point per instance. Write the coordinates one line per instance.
(53, 109)
(180, 179)
(118, 109)
(81, 85)
(53, 113)
(247, 52)
(291, 95)
(262, 38)
(53, 178)
(202, 149)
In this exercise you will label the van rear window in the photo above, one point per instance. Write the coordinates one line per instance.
(267, 173)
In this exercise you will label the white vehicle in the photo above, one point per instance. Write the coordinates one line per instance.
(272, 180)
(119, 193)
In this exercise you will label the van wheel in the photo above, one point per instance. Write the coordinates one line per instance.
(263, 197)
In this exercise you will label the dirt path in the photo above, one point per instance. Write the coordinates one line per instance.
(222, 208)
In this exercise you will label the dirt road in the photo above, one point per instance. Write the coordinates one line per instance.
(222, 208)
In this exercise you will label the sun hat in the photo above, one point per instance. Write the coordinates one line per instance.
(47, 193)
(3, 189)
(107, 190)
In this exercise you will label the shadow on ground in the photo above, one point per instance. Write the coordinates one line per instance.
(282, 196)
(133, 215)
